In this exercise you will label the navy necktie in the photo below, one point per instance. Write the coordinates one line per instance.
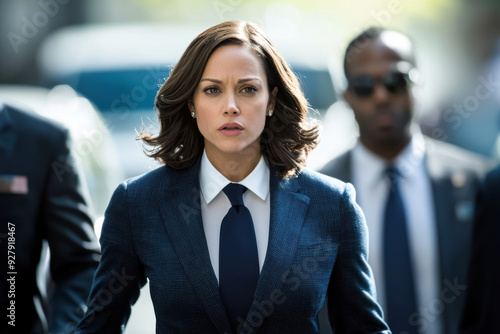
(238, 257)
(398, 273)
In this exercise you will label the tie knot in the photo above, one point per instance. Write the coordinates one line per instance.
(393, 175)
(392, 172)
(234, 192)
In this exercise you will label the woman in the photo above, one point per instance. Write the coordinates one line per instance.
(221, 259)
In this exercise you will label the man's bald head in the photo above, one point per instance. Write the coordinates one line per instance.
(400, 44)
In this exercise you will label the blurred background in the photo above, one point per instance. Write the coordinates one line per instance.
(96, 67)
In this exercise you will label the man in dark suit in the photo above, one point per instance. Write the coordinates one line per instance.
(42, 199)
(483, 294)
(416, 193)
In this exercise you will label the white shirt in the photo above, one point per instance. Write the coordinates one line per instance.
(368, 178)
(215, 205)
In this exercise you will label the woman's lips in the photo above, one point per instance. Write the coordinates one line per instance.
(230, 129)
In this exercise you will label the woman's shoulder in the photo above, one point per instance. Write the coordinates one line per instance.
(323, 188)
(326, 191)
(159, 179)
(309, 178)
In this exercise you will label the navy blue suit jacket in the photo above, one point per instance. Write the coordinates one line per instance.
(317, 246)
(53, 209)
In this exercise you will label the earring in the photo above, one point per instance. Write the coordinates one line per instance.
(270, 112)
(193, 114)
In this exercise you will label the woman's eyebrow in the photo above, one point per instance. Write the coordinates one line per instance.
(239, 81)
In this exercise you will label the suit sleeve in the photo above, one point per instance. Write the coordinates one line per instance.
(351, 294)
(120, 274)
(68, 228)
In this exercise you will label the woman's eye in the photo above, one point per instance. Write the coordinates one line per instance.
(211, 90)
(249, 90)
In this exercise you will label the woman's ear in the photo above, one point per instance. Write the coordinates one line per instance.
(191, 106)
(272, 99)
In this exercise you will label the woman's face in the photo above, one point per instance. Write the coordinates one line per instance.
(231, 102)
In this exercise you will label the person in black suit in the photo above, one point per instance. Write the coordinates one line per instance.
(417, 193)
(482, 302)
(234, 234)
(42, 199)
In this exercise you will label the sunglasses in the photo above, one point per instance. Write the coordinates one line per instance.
(394, 82)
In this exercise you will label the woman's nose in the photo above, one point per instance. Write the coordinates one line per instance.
(231, 108)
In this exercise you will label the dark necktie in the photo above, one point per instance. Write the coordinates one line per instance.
(398, 273)
(238, 257)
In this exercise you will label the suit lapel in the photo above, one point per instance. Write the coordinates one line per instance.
(288, 212)
(181, 212)
(447, 225)
(443, 198)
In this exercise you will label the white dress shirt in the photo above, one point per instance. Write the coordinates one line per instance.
(372, 189)
(215, 205)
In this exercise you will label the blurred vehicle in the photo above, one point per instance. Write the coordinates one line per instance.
(92, 145)
(121, 67)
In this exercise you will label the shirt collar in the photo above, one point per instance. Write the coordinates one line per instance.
(407, 162)
(368, 165)
(412, 156)
(212, 181)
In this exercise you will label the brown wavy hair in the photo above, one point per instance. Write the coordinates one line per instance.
(287, 137)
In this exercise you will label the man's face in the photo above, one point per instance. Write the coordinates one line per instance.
(379, 96)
